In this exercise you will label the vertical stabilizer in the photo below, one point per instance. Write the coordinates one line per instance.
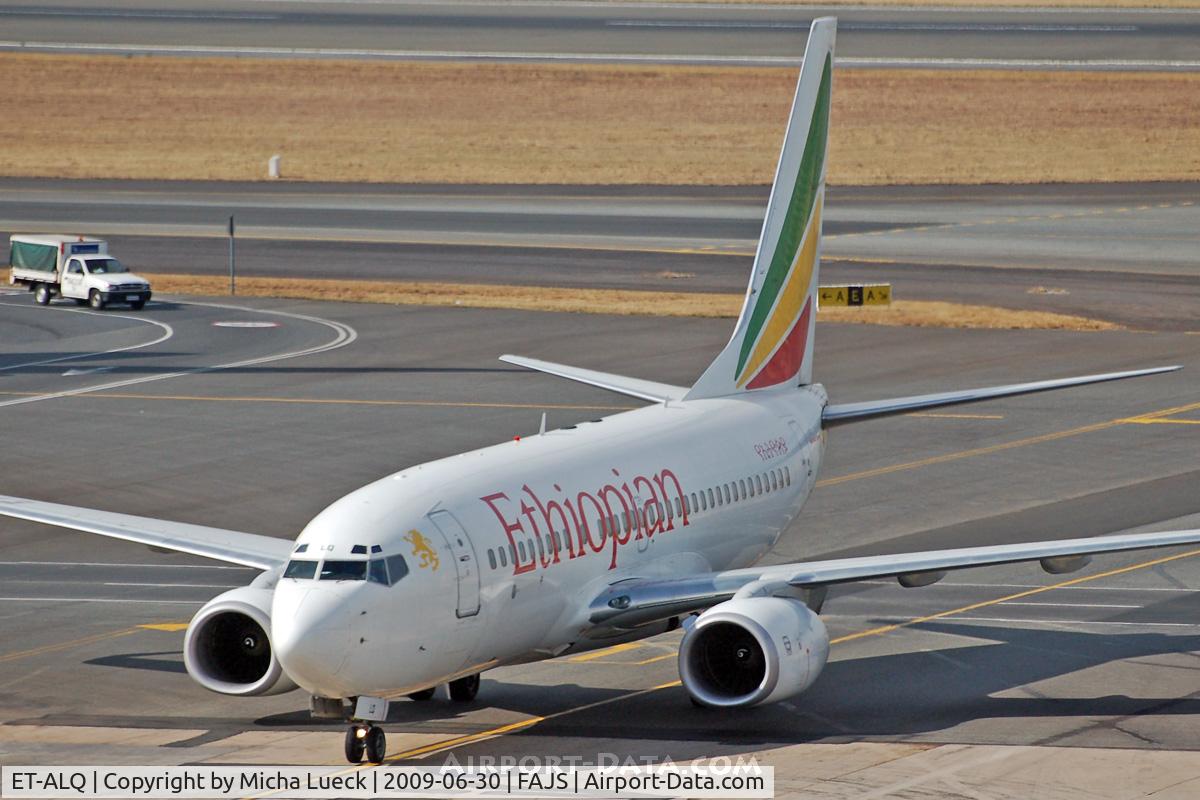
(772, 344)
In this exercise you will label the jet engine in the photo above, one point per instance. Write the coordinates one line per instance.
(227, 648)
(753, 650)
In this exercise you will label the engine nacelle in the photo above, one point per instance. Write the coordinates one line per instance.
(753, 650)
(227, 648)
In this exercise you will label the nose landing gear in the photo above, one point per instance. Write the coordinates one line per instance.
(365, 739)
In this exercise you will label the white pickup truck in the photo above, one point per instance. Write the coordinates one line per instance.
(75, 267)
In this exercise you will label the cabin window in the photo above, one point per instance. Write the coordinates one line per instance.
(725, 489)
(503, 557)
(491, 558)
(378, 572)
(774, 481)
(343, 570)
(678, 508)
(397, 568)
(555, 541)
(521, 550)
(512, 552)
(787, 476)
(758, 484)
(540, 548)
(301, 569)
(711, 500)
(695, 503)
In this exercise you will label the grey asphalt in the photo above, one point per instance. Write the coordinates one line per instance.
(568, 31)
(1122, 252)
(264, 446)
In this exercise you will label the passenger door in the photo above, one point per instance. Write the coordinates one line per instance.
(73, 283)
(465, 563)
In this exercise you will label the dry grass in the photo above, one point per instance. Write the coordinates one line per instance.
(917, 313)
(208, 118)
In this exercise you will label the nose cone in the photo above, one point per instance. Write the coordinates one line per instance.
(310, 630)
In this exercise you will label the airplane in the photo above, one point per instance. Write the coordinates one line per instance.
(598, 533)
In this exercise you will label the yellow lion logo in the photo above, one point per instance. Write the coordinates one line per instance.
(423, 550)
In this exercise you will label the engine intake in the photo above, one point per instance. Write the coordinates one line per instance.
(754, 650)
(227, 648)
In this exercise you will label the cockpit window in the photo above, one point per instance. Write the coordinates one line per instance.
(300, 569)
(397, 567)
(378, 572)
(343, 570)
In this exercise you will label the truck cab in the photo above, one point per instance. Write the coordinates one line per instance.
(74, 267)
(102, 279)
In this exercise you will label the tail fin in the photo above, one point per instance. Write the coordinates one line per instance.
(772, 344)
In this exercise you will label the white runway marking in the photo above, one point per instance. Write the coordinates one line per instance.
(66, 12)
(1072, 605)
(173, 585)
(112, 564)
(99, 600)
(91, 371)
(345, 335)
(1030, 621)
(168, 332)
(954, 27)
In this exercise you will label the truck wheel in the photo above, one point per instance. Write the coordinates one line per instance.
(42, 294)
(137, 305)
(96, 300)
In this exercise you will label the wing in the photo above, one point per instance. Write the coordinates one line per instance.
(636, 602)
(841, 413)
(234, 547)
(633, 387)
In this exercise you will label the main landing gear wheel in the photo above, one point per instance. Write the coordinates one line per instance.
(464, 690)
(355, 744)
(376, 745)
(423, 695)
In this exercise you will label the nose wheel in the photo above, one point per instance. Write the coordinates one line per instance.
(365, 740)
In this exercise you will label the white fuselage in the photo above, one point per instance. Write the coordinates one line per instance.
(507, 546)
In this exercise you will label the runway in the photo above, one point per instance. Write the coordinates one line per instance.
(91, 671)
(584, 32)
(1124, 252)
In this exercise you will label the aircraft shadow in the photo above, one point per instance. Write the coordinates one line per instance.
(874, 697)
(143, 661)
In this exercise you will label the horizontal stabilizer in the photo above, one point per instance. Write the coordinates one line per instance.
(234, 547)
(633, 387)
(841, 413)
